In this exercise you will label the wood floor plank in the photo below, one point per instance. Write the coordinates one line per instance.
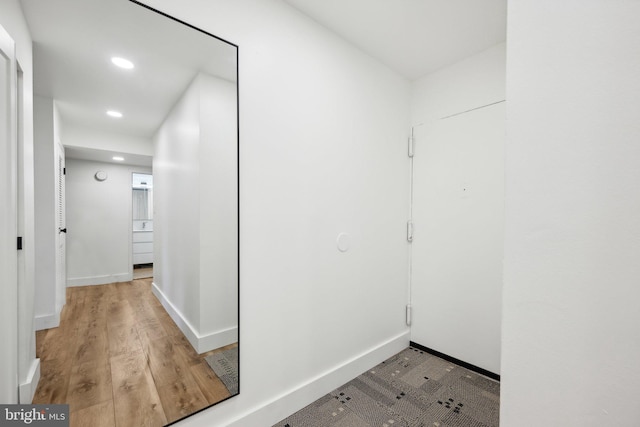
(167, 322)
(142, 273)
(122, 325)
(139, 304)
(58, 341)
(182, 397)
(136, 400)
(130, 290)
(218, 350)
(100, 415)
(54, 381)
(76, 293)
(145, 315)
(96, 303)
(153, 300)
(210, 385)
(92, 341)
(118, 358)
(152, 332)
(123, 338)
(71, 312)
(189, 354)
(166, 363)
(119, 310)
(40, 337)
(89, 384)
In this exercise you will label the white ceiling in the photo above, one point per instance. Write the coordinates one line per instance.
(413, 37)
(74, 41)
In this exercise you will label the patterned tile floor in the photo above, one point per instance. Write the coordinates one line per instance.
(411, 389)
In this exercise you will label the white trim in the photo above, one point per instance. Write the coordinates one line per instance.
(28, 389)
(47, 321)
(8, 225)
(99, 280)
(200, 342)
(295, 399)
(217, 339)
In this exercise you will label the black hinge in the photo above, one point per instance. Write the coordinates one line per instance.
(64, 171)
(19, 243)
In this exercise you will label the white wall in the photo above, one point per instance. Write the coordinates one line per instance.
(218, 207)
(176, 218)
(322, 132)
(50, 293)
(47, 312)
(98, 222)
(12, 20)
(78, 136)
(471, 83)
(196, 251)
(571, 321)
(457, 248)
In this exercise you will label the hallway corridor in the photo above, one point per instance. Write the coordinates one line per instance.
(118, 359)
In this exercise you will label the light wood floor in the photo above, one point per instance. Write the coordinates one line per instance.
(118, 359)
(142, 273)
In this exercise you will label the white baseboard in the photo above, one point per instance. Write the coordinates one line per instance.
(293, 400)
(99, 280)
(28, 389)
(200, 342)
(217, 339)
(47, 321)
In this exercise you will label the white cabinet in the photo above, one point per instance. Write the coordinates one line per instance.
(142, 247)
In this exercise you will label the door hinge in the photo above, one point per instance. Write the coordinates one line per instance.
(19, 243)
(64, 171)
(411, 142)
(408, 314)
(410, 231)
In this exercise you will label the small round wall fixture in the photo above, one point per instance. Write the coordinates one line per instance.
(101, 175)
(344, 242)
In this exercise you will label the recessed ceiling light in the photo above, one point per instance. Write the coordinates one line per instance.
(118, 158)
(122, 63)
(113, 113)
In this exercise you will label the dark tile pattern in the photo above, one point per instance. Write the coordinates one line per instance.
(410, 389)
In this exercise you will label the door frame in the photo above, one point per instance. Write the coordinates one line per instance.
(9, 224)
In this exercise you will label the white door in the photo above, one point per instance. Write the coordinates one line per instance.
(61, 232)
(8, 221)
(458, 210)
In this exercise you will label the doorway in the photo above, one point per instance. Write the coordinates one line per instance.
(457, 211)
(142, 225)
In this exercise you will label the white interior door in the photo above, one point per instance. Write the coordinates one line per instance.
(8, 221)
(458, 215)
